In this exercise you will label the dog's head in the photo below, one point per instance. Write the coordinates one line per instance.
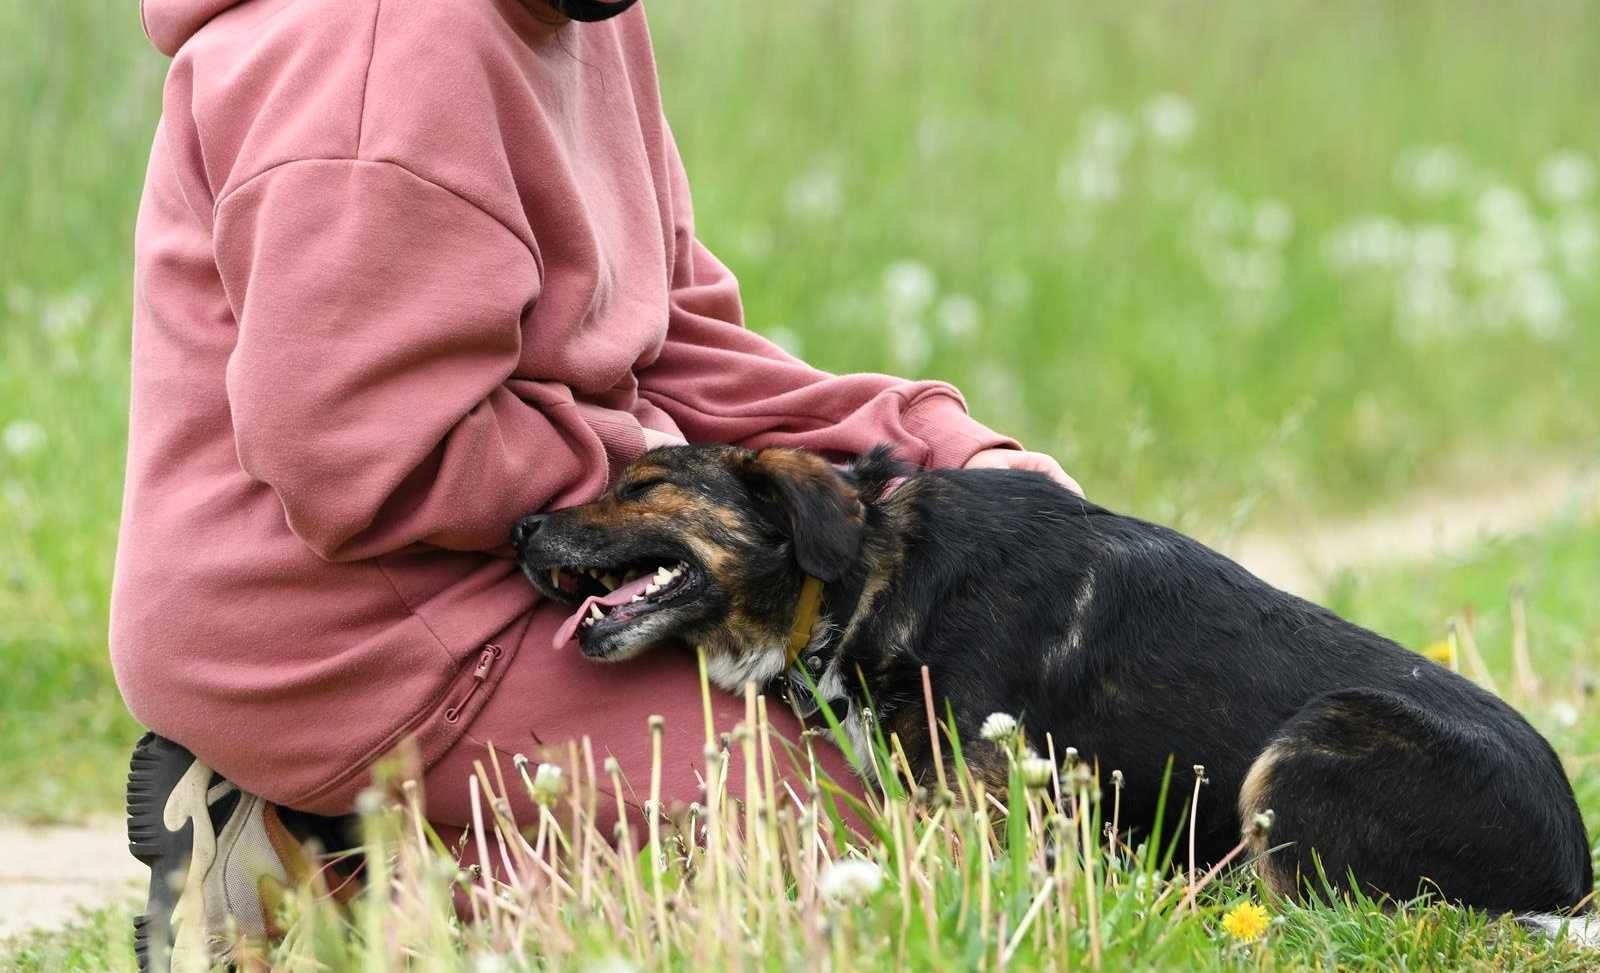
(708, 545)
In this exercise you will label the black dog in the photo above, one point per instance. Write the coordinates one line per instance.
(1129, 641)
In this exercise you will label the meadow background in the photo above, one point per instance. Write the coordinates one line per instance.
(1237, 265)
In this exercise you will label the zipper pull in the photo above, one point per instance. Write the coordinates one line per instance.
(486, 659)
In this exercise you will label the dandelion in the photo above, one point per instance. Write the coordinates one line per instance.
(1106, 132)
(816, 195)
(1170, 119)
(23, 436)
(850, 880)
(1432, 172)
(1274, 222)
(1433, 246)
(998, 727)
(1566, 177)
(909, 344)
(786, 338)
(1036, 771)
(755, 241)
(909, 286)
(1502, 206)
(547, 783)
(1245, 922)
(1090, 178)
(1442, 652)
(958, 316)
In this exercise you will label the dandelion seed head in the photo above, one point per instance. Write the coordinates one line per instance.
(909, 286)
(1566, 177)
(997, 727)
(850, 880)
(1170, 119)
(958, 315)
(23, 437)
(1036, 771)
(817, 194)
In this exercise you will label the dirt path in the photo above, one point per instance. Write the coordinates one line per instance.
(1425, 525)
(48, 874)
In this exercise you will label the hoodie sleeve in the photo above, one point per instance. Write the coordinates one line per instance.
(380, 319)
(721, 382)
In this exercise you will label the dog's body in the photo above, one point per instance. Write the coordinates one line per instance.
(1138, 646)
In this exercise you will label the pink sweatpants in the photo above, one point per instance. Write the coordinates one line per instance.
(550, 697)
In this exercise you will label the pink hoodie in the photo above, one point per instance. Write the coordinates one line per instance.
(405, 271)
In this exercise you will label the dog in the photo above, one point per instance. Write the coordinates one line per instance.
(1136, 645)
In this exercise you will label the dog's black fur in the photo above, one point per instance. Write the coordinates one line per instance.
(1138, 646)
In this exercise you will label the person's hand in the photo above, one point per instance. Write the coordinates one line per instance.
(654, 439)
(1017, 459)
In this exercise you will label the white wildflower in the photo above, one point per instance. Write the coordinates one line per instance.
(547, 783)
(997, 727)
(1564, 713)
(1577, 238)
(1274, 222)
(755, 241)
(1091, 178)
(1432, 172)
(1036, 771)
(23, 436)
(1216, 213)
(850, 880)
(1369, 241)
(65, 315)
(816, 195)
(1502, 206)
(958, 315)
(1170, 119)
(1106, 132)
(786, 338)
(1566, 177)
(1540, 304)
(909, 285)
(1433, 246)
(909, 345)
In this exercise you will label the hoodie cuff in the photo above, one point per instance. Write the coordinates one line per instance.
(949, 435)
(620, 433)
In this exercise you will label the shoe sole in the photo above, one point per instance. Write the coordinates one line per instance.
(166, 796)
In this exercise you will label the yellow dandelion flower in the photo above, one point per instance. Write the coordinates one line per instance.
(1442, 652)
(1245, 921)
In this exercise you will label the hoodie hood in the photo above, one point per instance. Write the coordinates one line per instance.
(169, 23)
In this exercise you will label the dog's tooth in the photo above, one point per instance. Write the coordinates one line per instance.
(610, 581)
(637, 598)
(651, 589)
(663, 575)
(595, 614)
(555, 578)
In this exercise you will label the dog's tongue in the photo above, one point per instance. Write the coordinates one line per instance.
(622, 595)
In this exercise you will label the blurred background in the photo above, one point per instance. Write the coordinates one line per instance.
(1243, 267)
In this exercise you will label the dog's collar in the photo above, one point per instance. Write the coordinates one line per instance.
(805, 618)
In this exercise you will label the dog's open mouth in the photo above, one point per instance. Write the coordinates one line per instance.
(610, 598)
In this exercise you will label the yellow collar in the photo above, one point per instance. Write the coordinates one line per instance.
(805, 617)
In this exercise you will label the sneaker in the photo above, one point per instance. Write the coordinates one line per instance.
(215, 854)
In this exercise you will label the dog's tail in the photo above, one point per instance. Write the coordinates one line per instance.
(1580, 930)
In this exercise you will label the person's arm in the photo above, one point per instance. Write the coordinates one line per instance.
(723, 383)
(380, 320)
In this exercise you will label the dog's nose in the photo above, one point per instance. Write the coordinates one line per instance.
(525, 528)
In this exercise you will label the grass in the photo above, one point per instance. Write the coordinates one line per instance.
(1220, 258)
(929, 909)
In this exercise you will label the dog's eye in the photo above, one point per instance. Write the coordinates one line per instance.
(638, 488)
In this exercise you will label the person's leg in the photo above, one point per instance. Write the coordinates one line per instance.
(551, 698)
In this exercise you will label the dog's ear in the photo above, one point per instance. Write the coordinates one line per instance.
(806, 498)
